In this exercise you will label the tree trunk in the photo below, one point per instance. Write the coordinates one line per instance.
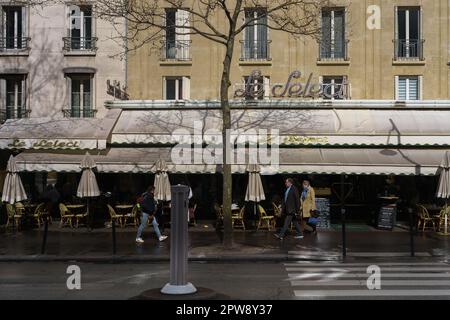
(226, 116)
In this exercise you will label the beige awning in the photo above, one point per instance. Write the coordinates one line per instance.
(61, 133)
(300, 127)
(292, 160)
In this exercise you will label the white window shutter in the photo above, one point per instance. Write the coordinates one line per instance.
(186, 88)
(420, 95)
(266, 88)
(24, 92)
(24, 21)
(396, 88)
(164, 88)
(2, 93)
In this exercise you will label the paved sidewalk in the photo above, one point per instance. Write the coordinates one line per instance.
(205, 245)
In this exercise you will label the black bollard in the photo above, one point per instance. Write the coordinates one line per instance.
(114, 236)
(44, 240)
(411, 231)
(344, 240)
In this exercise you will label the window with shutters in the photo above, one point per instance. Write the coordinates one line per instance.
(333, 42)
(13, 30)
(177, 42)
(13, 104)
(176, 88)
(255, 45)
(81, 96)
(335, 87)
(408, 40)
(258, 89)
(408, 88)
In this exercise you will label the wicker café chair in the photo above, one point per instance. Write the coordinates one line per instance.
(265, 221)
(14, 218)
(424, 218)
(66, 216)
(238, 219)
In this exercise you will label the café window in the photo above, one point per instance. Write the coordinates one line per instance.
(80, 33)
(408, 87)
(81, 97)
(13, 93)
(177, 42)
(176, 88)
(12, 28)
(334, 87)
(258, 88)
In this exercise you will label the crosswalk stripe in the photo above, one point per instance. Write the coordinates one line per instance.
(385, 269)
(333, 264)
(384, 283)
(366, 275)
(310, 294)
(357, 254)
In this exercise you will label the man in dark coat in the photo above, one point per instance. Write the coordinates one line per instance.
(290, 208)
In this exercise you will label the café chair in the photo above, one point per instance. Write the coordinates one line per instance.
(133, 216)
(114, 216)
(441, 219)
(265, 221)
(237, 220)
(38, 213)
(424, 218)
(81, 217)
(13, 216)
(66, 216)
(276, 210)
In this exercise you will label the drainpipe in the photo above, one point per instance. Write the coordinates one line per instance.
(126, 54)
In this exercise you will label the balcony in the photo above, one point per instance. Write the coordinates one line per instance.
(178, 50)
(78, 113)
(333, 52)
(14, 45)
(255, 50)
(408, 49)
(86, 45)
(13, 113)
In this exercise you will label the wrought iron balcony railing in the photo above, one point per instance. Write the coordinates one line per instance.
(255, 50)
(406, 49)
(178, 50)
(14, 43)
(14, 113)
(80, 44)
(333, 50)
(79, 113)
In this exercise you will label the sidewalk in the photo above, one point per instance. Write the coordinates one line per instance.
(205, 245)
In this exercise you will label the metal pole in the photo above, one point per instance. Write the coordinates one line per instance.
(411, 231)
(344, 240)
(44, 240)
(114, 235)
(179, 244)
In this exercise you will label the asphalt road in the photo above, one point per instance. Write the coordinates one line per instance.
(400, 279)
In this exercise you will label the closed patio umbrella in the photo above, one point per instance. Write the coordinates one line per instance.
(162, 183)
(13, 190)
(443, 190)
(255, 190)
(88, 186)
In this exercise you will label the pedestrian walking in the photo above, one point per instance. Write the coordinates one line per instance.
(308, 201)
(147, 204)
(290, 207)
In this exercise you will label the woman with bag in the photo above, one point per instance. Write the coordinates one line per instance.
(308, 201)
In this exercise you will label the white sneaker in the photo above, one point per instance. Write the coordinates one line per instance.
(139, 240)
(162, 238)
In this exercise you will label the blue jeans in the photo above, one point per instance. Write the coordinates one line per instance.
(144, 224)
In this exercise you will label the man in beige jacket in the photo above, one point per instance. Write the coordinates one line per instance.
(308, 201)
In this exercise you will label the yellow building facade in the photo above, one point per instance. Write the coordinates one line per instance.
(383, 43)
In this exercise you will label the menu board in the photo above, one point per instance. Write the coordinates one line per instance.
(323, 205)
(387, 217)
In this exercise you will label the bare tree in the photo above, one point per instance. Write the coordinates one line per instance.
(218, 21)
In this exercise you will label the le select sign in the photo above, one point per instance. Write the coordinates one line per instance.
(255, 88)
(52, 144)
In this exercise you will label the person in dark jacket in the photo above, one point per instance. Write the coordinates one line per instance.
(148, 208)
(290, 207)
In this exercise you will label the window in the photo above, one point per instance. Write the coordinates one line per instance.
(408, 33)
(13, 91)
(408, 88)
(256, 43)
(333, 44)
(13, 29)
(81, 105)
(80, 29)
(177, 88)
(334, 87)
(177, 38)
(258, 89)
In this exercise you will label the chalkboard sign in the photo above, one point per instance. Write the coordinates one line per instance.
(387, 217)
(323, 205)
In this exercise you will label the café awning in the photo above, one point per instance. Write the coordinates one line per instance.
(292, 160)
(61, 133)
(299, 127)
